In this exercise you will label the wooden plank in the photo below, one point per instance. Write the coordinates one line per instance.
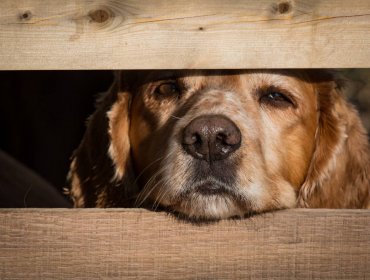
(165, 34)
(138, 244)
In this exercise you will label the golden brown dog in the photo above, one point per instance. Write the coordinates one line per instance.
(217, 144)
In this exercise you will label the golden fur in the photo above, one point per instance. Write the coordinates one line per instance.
(302, 144)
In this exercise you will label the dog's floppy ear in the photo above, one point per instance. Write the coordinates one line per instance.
(339, 174)
(101, 172)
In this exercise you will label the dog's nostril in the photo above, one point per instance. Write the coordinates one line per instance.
(227, 139)
(191, 139)
(221, 137)
(211, 137)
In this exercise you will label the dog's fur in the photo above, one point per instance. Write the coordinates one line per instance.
(305, 147)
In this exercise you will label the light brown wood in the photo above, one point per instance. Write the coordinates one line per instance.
(159, 34)
(138, 244)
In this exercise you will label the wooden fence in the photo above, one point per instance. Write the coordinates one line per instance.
(140, 34)
(138, 244)
(164, 34)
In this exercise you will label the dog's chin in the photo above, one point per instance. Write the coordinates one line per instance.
(208, 207)
(209, 201)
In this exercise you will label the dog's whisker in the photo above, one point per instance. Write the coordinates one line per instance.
(148, 189)
(148, 186)
(160, 197)
(143, 195)
(147, 167)
(162, 191)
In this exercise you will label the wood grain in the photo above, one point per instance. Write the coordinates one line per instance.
(165, 34)
(138, 244)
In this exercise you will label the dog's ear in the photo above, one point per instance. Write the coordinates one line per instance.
(339, 174)
(101, 172)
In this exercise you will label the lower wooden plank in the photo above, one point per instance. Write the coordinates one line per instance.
(132, 244)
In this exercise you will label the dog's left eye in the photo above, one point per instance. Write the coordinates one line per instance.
(168, 89)
(276, 99)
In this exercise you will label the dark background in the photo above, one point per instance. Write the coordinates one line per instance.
(43, 114)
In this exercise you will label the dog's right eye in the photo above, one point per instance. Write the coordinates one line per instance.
(168, 89)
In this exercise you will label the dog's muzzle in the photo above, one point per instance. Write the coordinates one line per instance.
(211, 138)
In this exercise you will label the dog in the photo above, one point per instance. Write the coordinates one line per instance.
(219, 144)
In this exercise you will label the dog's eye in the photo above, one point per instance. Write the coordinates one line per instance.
(167, 89)
(276, 99)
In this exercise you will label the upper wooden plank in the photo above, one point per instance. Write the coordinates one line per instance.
(166, 34)
(137, 244)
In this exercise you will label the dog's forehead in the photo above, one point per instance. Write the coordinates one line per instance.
(213, 79)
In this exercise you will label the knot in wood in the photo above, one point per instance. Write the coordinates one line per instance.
(284, 7)
(27, 15)
(99, 16)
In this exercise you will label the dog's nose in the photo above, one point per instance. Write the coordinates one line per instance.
(211, 137)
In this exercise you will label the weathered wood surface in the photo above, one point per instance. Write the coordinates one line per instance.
(138, 244)
(159, 34)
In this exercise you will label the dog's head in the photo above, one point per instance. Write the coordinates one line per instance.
(216, 144)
